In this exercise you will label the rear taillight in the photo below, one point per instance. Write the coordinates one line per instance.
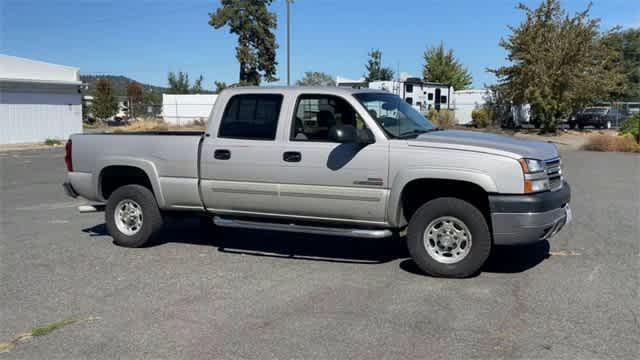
(67, 156)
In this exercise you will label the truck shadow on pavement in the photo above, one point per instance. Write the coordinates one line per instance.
(273, 244)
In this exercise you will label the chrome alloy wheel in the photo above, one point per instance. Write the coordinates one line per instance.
(447, 240)
(128, 217)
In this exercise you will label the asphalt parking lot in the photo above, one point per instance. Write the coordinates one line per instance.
(228, 293)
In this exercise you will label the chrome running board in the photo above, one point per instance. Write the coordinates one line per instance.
(91, 208)
(318, 230)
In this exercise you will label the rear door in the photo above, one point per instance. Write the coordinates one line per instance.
(327, 180)
(240, 157)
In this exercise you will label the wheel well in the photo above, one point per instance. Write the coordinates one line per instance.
(113, 177)
(418, 192)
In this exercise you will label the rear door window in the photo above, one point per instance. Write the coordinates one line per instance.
(251, 117)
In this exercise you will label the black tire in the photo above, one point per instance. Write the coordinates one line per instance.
(471, 217)
(151, 216)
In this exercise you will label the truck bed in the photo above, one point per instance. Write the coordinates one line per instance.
(169, 158)
(159, 132)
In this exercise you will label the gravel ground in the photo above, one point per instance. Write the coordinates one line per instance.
(254, 294)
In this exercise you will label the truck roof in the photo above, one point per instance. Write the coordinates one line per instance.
(303, 89)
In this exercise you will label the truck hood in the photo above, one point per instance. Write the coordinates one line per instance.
(488, 143)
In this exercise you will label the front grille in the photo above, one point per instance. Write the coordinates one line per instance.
(553, 168)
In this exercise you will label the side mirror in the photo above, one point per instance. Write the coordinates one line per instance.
(343, 134)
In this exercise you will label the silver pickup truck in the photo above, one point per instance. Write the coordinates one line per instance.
(333, 161)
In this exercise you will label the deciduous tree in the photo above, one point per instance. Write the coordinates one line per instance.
(105, 104)
(252, 21)
(180, 84)
(135, 94)
(558, 63)
(315, 78)
(220, 85)
(627, 43)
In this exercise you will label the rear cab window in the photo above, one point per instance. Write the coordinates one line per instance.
(251, 117)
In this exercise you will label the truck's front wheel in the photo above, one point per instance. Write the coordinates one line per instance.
(132, 216)
(449, 237)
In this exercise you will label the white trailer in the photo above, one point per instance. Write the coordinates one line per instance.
(422, 95)
(465, 101)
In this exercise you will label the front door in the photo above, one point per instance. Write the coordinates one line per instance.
(328, 180)
(240, 162)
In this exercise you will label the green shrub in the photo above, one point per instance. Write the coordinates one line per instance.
(630, 126)
(482, 117)
(443, 119)
(52, 142)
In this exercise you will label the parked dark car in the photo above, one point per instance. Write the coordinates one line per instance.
(598, 117)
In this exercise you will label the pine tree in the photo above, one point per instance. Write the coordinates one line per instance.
(254, 25)
(374, 69)
(443, 67)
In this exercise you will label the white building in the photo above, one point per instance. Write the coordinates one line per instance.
(465, 101)
(38, 100)
(184, 109)
(422, 95)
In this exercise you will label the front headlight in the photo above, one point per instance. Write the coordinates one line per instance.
(535, 177)
(531, 166)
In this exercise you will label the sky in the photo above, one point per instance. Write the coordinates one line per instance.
(144, 39)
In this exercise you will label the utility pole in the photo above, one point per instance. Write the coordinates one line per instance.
(288, 42)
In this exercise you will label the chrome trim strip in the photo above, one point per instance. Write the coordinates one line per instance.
(244, 191)
(330, 196)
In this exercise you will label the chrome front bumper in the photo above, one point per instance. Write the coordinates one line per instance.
(525, 228)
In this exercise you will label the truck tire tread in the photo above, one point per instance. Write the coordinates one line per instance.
(152, 217)
(472, 217)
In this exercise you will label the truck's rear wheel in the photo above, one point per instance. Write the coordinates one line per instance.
(449, 237)
(132, 216)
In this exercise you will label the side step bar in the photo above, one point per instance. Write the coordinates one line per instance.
(318, 230)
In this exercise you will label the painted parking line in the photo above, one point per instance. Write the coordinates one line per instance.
(50, 206)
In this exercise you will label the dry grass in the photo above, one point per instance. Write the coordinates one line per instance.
(603, 142)
(143, 125)
(200, 124)
(159, 125)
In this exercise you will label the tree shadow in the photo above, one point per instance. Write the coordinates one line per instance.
(275, 244)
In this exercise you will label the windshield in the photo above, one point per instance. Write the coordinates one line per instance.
(394, 115)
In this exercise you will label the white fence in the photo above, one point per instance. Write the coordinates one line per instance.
(185, 109)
